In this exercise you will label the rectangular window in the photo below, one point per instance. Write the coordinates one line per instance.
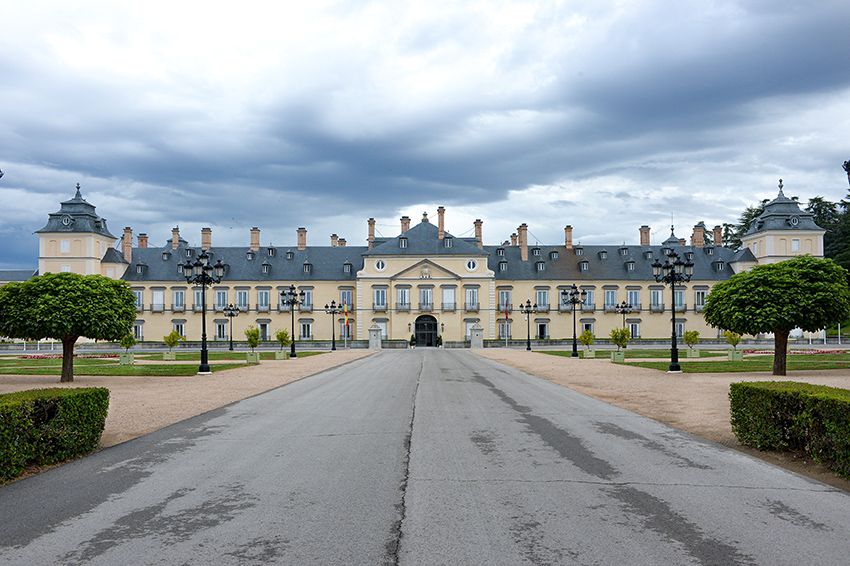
(220, 299)
(504, 329)
(403, 295)
(471, 297)
(586, 326)
(137, 331)
(380, 297)
(263, 298)
(610, 297)
(66, 269)
(542, 330)
(679, 297)
(634, 298)
(468, 329)
(634, 329)
(383, 326)
(139, 299)
(345, 298)
(308, 299)
(699, 298)
(264, 330)
(65, 246)
(656, 297)
(242, 299)
(795, 245)
(426, 297)
(588, 300)
(199, 296)
(179, 298)
(158, 299)
(449, 297)
(306, 330)
(179, 328)
(680, 329)
(221, 331)
(542, 298)
(504, 299)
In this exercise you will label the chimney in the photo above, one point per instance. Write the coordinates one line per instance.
(698, 238)
(683, 242)
(513, 239)
(441, 222)
(255, 239)
(175, 237)
(568, 237)
(523, 241)
(127, 244)
(405, 224)
(206, 238)
(371, 239)
(644, 235)
(342, 242)
(334, 240)
(143, 240)
(718, 236)
(479, 235)
(302, 238)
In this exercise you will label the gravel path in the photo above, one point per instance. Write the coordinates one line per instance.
(139, 405)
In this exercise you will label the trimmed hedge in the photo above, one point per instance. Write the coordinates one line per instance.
(44, 426)
(786, 415)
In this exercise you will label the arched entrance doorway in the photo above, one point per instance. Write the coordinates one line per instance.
(426, 331)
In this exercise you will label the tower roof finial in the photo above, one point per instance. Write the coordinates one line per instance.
(780, 188)
(78, 195)
(424, 217)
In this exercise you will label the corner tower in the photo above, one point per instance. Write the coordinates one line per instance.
(783, 231)
(75, 239)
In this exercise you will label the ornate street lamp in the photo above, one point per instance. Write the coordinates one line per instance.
(292, 297)
(573, 297)
(527, 309)
(203, 275)
(230, 311)
(623, 309)
(671, 272)
(333, 309)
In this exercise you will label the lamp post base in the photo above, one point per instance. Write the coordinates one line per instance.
(204, 369)
(674, 368)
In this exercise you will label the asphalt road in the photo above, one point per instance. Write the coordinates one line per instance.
(421, 457)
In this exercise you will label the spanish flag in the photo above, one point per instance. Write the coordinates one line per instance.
(345, 310)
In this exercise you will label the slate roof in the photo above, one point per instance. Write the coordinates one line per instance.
(76, 215)
(422, 240)
(113, 256)
(783, 213)
(326, 263)
(16, 274)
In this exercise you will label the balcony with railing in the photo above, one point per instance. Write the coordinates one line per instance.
(656, 307)
(564, 307)
(471, 306)
(680, 307)
(305, 307)
(699, 308)
(379, 307)
(542, 308)
(506, 307)
(197, 307)
(281, 307)
(178, 308)
(448, 307)
(140, 307)
(426, 307)
(588, 307)
(157, 307)
(402, 307)
(262, 308)
(610, 308)
(242, 307)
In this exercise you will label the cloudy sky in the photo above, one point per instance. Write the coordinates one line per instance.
(603, 115)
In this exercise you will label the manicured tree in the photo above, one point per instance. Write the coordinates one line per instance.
(172, 339)
(691, 338)
(65, 307)
(252, 336)
(804, 292)
(586, 338)
(127, 342)
(282, 337)
(732, 338)
(620, 337)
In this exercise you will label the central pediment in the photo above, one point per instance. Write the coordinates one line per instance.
(424, 270)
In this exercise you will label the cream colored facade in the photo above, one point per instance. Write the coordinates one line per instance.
(420, 282)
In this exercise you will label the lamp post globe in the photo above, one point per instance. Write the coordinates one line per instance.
(230, 311)
(623, 309)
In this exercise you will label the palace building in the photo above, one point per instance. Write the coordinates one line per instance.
(423, 282)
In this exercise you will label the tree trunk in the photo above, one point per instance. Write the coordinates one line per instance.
(68, 359)
(780, 351)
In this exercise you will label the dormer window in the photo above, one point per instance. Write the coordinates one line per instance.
(308, 267)
(553, 255)
(579, 250)
(267, 267)
(647, 255)
(141, 268)
(719, 265)
(624, 251)
(346, 267)
(709, 250)
(188, 252)
(665, 251)
(603, 254)
(630, 265)
(535, 251)
(402, 242)
(541, 266)
(166, 256)
(289, 254)
(583, 265)
(271, 252)
(249, 256)
(503, 266)
(500, 251)
(689, 256)
(448, 241)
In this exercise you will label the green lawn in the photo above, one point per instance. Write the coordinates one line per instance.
(119, 370)
(638, 353)
(195, 356)
(761, 363)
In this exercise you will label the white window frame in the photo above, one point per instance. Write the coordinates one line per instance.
(634, 329)
(505, 296)
(305, 330)
(242, 298)
(403, 295)
(65, 246)
(656, 297)
(699, 297)
(379, 294)
(542, 297)
(179, 328)
(220, 298)
(633, 297)
(795, 244)
(588, 298)
(610, 297)
(263, 298)
(449, 296)
(346, 297)
(178, 298)
(221, 331)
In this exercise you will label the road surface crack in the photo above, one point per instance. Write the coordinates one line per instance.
(393, 545)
